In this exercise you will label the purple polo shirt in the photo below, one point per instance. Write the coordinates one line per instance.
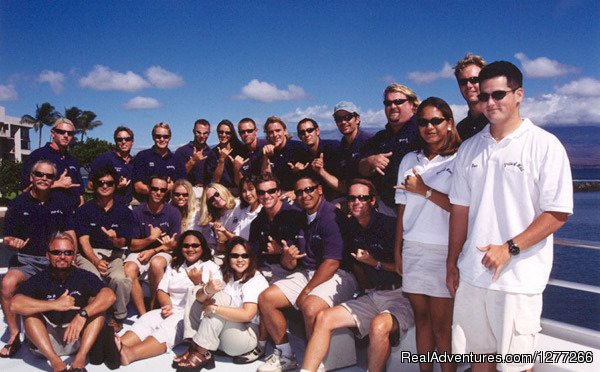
(331, 152)
(27, 218)
(168, 219)
(350, 154)
(90, 218)
(148, 163)
(253, 166)
(293, 152)
(81, 284)
(202, 172)
(227, 178)
(112, 160)
(323, 236)
(62, 161)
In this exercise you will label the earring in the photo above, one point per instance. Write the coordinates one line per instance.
(449, 129)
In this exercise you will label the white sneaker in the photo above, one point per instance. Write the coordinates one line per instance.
(278, 363)
(321, 367)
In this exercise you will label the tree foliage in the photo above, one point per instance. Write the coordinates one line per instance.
(84, 121)
(45, 114)
(10, 174)
(86, 152)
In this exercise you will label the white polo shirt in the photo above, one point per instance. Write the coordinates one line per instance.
(246, 292)
(424, 221)
(506, 186)
(176, 282)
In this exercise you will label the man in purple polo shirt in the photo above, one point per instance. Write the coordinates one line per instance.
(69, 182)
(248, 162)
(31, 220)
(104, 228)
(156, 226)
(158, 160)
(317, 282)
(121, 161)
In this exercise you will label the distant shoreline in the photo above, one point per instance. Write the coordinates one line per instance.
(586, 185)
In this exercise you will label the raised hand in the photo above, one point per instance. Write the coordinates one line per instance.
(273, 247)
(413, 183)
(268, 150)
(166, 311)
(214, 285)
(65, 181)
(15, 243)
(168, 240)
(111, 235)
(65, 302)
(379, 162)
(297, 167)
(198, 155)
(123, 182)
(223, 153)
(318, 165)
(155, 232)
(362, 255)
(195, 275)
(238, 162)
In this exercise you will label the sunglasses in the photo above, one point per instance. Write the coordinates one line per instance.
(224, 133)
(191, 245)
(56, 252)
(201, 133)
(181, 194)
(302, 132)
(362, 198)
(472, 80)
(246, 131)
(70, 133)
(235, 256)
(104, 183)
(39, 174)
(397, 102)
(434, 121)
(214, 197)
(496, 95)
(272, 191)
(123, 139)
(158, 189)
(306, 190)
(342, 118)
(162, 136)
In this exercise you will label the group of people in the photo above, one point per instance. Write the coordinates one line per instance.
(446, 226)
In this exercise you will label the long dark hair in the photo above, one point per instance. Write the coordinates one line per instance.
(234, 141)
(178, 258)
(452, 141)
(246, 180)
(226, 269)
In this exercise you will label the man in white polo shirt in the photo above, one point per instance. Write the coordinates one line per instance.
(511, 190)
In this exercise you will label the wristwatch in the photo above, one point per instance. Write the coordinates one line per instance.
(428, 193)
(83, 313)
(513, 249)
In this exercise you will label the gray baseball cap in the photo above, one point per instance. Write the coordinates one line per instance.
(346, 106)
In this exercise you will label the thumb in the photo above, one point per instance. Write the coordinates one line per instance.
(414, 170)
(321, 156)
(400, 187)
(353, 254)
(387, 155)
(496, 273)
(26, 241)
(64, 173)
(270, 238)
(230, 158)
(484, 249)
(104, 229)
(284, 244)
(65, 294)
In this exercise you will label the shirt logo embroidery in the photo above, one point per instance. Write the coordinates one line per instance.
(444, 170)
(151, 164)
(170, 167)
(515, 164)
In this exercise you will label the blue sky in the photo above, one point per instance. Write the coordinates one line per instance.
(138, 63)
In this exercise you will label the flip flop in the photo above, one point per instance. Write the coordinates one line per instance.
(12, 348)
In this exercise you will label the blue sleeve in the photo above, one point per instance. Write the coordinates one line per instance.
(333, 242)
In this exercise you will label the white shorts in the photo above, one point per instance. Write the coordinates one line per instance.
(367, 307)
(424, 269)
(489, 321)
(339, 288)
(133, 257)
(168, 331)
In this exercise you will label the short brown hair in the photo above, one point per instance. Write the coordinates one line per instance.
(467, 60)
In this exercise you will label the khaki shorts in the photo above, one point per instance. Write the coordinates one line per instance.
(489, 321)
(132, 257)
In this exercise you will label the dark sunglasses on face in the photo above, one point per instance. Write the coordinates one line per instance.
(123, 139)
(496, 95)
(56, 252)
(342, 118)
(246, 131)
(272, 191)
(158, 189)
(302, 132)
(224, 133)
(191, 245)
(306, 190)
(70, 133)
(104, 183)
(39, 174)
(201, 133)
(235, 256)
(362, 198)
(178, 194)
(472, 80)
(162, 136)
(434, 121)
(396, 102)
(212, 198)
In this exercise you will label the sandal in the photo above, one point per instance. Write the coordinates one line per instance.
(11, 348)
(196, 360)
(180, 358)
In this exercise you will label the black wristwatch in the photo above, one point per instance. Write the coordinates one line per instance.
(83, 314)
(513, 249)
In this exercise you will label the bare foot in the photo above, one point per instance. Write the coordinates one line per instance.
(58, 365)
(5, 351)
(123, 350)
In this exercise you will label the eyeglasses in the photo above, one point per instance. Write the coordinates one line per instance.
(272, 191)
(224, 133)
(191, 245)
(396, 102)
(362, 198)
(123, 139)
(158, 189)
(162, 136)
(235, 256)
(302, 132)
(201, 133)
(70, 133)
(306, 190)
(472, 80)
(246, 131)
(104, 183)
(434, 121)
(56, 252)
(496, 95)
(39, 174)
(181, 194)
(342, 118)
(213, 197)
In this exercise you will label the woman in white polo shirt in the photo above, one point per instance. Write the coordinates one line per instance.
(424, 180)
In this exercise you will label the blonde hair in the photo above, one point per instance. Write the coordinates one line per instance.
(191, 208)
(162, 124)
(208, 213)
(467, 60)
(60, 121)
(409, 93)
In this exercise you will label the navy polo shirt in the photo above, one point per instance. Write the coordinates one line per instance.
(90, 217)
(378, 238)
(331, 151)
(471, 125)
(81, 284)
(399, 144)
(227, 178)
(168, 219)
(323, 236)
(124, 169)
(349, 155)
(286, 225)
(62, 161)
(202, 172)
(27, 218)
(293, 152)
(148, 163)
(253, 166)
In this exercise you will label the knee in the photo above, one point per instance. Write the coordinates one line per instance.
(310, 309)
(324, 320)
(267, 299)
(131, 270)
(381, 327)
(9, 285)
(158, 264)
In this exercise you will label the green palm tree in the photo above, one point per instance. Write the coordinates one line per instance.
(44, 115)
(84, 121)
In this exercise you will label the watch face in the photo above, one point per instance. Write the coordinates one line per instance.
(513, 249)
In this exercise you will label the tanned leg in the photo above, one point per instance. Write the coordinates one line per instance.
(88, 337)
(148, 348)
(424, 332)
(379, 346)
(312, 306)
(270, 303)
(158, 265)
(137, 294)
(441, 321)
(35, 328)
(11, 281)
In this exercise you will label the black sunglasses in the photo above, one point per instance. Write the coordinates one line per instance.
(362, 198)
(201, 133)
(496, 95)
(157, 189)
(191, 245)
(342, 118)
(178, 194)
(302, 132)
(272, 191)
(70, 133)
(396, 102)
(238, 255)
(162, 136)
(104, 183)
(56, 252)
(306, 190)
(472, 80)
(434, 121)
(212, 198)
(246, 131)
(224, 133)
(123, 139)
(39, 174)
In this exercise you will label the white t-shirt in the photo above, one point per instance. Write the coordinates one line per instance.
(246, 292)
(226, 220)
(506, 186)
(424, 221)
(240, 220)
(176, 282)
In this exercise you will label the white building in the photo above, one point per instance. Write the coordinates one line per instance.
(14, 137)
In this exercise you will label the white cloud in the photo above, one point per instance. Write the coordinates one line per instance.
(141, 103)
(586, 87)
(388, 79)
(103, 78)
(543, 67)
(161, 78)
(317, 112)
(54, 78)
(8, 93)
(459, 112)
(424, 77)
(267, 92)
(373, 119)
(558, 109)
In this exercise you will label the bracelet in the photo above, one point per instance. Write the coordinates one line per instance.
(205, 291)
